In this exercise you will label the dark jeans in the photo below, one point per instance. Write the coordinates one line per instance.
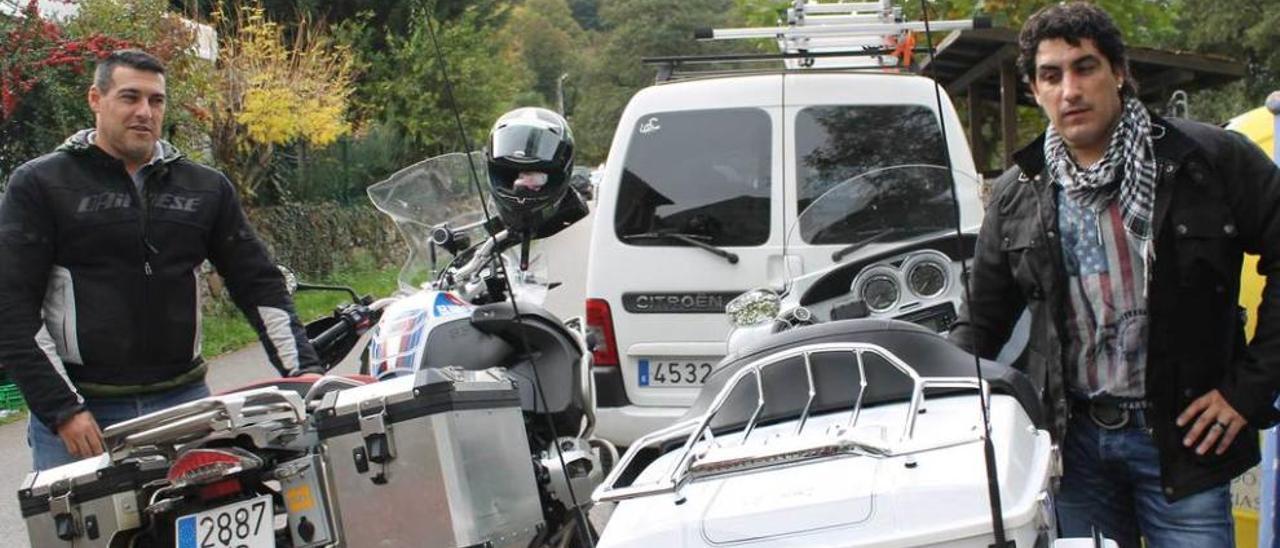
(1111, 480)
(47, 449)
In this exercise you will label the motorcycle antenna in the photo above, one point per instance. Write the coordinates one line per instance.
(988, 449)
(583, 524)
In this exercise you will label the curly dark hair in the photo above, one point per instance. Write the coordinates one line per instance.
(1073, 22)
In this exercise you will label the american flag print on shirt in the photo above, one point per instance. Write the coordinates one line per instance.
(1106, 309)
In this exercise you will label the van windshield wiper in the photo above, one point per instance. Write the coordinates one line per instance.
(694, 240)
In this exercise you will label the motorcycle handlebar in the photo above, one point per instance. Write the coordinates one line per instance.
(331, 335)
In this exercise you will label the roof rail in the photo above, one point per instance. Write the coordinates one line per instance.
(829, 35)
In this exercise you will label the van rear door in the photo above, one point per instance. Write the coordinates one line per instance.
(849, 125)
(695, 165)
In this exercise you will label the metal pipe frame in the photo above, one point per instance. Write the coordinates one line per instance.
(791, 33)
(713, 459)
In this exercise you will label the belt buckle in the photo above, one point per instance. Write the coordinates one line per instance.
(1108, 417)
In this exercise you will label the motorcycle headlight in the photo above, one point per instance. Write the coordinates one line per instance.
(880, 292)
(927, 278)
(753, 307)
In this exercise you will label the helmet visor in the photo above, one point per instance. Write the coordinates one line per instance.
(521, 143)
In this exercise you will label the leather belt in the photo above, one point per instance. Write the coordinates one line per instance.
(1110, 414)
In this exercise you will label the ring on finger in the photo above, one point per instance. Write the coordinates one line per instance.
(1222, 425)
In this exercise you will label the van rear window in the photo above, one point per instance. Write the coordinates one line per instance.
(888, 144)
(700, 173)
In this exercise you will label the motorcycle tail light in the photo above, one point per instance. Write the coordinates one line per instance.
(214, 471)
(600, 330)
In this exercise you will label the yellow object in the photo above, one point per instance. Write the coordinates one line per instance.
(299, 499)
(1259, 126)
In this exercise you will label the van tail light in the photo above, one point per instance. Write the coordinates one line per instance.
(600, 331)
(215, 472)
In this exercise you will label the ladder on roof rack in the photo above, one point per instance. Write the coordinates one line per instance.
(833, 35)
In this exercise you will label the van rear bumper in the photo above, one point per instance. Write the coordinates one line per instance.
(617, 419)
(624, 425)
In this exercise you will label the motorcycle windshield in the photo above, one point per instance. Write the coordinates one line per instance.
(441, 192)
(880, 208)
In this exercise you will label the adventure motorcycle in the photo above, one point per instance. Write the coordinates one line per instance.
(841, 417)
(477, 431)
(220, 471)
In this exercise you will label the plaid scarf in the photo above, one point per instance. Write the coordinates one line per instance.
(1130, 152)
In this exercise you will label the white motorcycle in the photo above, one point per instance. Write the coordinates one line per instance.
(841, 417)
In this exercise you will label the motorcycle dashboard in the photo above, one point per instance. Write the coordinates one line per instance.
(838, 282)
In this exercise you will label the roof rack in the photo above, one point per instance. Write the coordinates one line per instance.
(827, 35)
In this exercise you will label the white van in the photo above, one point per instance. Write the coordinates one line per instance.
(704, 180)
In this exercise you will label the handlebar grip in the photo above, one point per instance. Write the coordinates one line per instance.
(331, 335)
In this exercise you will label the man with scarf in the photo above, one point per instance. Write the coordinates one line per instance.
(1121, 234)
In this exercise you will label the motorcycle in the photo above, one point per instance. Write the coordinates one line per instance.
(841, 416)
(471, 407)
(213, 472)
(462, 318)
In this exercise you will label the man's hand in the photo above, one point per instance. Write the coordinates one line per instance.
(1215, 420)
(82, 435)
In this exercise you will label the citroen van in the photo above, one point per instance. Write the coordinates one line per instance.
(705, 181)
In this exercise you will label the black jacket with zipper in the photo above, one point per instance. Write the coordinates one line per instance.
(1217, 197)
(99, 284)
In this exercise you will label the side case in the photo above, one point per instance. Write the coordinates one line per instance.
(88, 503)
(438, 459)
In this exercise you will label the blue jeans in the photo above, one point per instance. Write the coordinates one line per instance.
(1111, 480)
(47, 449)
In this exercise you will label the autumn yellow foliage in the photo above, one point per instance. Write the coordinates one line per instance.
(276, 91)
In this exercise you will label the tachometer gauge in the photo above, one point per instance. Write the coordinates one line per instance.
(880, 292)
(927, 279)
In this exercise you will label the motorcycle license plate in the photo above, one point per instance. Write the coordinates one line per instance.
(245, 524)
(676, 372)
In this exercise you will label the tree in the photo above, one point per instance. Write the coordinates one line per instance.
(42, 84)
(545, 37)
(273, 93)
(406, 89)
(636, 29)
(1248, 31)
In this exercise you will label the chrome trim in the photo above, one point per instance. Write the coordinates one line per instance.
(701, 456)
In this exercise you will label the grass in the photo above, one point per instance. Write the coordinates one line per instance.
(226, 329)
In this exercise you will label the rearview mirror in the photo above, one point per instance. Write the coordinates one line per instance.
(753, 307)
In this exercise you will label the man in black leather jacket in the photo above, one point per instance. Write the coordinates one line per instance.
(101, 243)
(1122, 235)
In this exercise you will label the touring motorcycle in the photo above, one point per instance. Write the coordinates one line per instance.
(841, 416)
(470, 424)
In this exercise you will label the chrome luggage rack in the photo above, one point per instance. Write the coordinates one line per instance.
(703, 455)
(262, 414)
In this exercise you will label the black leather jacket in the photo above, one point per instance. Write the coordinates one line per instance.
(100, 294)
(1217, 197)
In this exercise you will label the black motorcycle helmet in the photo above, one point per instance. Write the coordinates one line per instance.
(529, 141)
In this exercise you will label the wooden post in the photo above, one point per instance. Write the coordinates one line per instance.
(1008, 110)
(976, 118)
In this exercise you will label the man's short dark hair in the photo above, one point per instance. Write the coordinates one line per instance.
(1072, 23)
(132, 58)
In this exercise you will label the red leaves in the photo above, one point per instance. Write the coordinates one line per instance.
(34, 50)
